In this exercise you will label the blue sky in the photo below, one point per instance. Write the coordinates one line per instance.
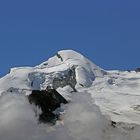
(106, 31)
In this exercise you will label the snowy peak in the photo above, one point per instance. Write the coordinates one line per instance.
(85, 70)
(66, 68)
(69, 58)
(110, 105)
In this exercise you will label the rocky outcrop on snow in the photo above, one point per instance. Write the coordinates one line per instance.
(68, 79)
(48, 101)
(137, 70)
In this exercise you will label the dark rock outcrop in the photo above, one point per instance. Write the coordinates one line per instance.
(69, 78)
(48, 101)
(137, 70)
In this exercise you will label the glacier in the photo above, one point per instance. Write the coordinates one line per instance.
(103, 105)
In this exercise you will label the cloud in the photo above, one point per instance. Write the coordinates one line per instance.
(17, 119)
(82, 120)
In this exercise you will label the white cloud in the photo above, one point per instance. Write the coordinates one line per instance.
(81, 121)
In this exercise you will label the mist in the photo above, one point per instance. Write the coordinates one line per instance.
(81, 120)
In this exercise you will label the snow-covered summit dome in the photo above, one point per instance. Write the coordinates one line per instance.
(67, 67)
(85, 70)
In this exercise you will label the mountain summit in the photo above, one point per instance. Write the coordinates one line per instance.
(83, 101)
(67, 67)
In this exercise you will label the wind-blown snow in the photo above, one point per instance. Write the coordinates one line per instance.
(102, 97)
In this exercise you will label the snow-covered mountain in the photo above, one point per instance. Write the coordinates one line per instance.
(66, 68)
(103, 105)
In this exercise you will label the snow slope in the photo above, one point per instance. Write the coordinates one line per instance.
(112, 96)
(118, 95)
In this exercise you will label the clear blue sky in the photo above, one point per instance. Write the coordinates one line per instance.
(106, 31)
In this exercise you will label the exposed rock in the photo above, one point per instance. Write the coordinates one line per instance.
(113, 123)
(68, 78)
(59, 56)
(137, 70)
(48, 101)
